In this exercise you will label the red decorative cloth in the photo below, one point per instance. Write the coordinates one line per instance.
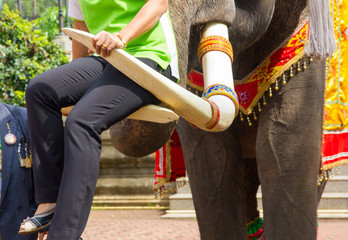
(170, 165)
(335, 148)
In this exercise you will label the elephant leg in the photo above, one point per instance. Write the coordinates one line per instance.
(214, 169)
(321, 189)
(250, 185)
(288, 151)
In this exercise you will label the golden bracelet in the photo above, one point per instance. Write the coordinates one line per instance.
(122, 40)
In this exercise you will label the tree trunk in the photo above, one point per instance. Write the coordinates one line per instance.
(34, 9)
(20, 7)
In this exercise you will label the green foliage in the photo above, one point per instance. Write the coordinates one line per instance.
(48, 22)
(24, 53)
(28, 6)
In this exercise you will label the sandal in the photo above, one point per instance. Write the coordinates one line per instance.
(36, 223)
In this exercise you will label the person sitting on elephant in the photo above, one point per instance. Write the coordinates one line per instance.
(66, 159)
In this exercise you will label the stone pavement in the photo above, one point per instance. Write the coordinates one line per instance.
(333, 229)
(147, 225)
(138, 225)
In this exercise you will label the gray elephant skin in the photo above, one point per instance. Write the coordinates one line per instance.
(280, 151)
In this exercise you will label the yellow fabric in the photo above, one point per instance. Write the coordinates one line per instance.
(335, 125)
(336, 95)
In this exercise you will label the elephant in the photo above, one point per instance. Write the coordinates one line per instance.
(279, 151)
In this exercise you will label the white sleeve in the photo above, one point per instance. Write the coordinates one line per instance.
(75, 10)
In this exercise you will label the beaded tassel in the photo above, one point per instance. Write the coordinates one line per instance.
(284, 79)
(276, 85)
(241, 116)
(299, 66)
(250, 124)
(291, 73)
(259, 106)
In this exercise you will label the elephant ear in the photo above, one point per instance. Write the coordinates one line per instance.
(321, 36)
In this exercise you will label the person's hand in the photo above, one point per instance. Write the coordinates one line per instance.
(42, 235)
(104, 42)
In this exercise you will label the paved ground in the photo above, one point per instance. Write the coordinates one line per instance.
(333, 229)
(147, 225)
(138, 225)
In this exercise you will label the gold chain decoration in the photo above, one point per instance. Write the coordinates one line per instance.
(214, 43)
(301, 65)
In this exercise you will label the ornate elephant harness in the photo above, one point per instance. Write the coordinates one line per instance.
(278, 68)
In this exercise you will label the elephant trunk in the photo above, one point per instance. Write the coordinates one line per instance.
(202, 113)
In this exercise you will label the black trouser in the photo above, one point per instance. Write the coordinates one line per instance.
(66, 159)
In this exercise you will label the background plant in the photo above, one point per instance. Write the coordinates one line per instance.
(24, 53)
(48, 22)
(31, 9)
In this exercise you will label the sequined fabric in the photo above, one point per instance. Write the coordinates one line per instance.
(335, 137)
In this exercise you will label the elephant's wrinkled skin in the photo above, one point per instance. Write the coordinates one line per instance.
(281, 149)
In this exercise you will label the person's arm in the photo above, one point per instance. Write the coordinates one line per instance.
(144, 20)
(78, 49)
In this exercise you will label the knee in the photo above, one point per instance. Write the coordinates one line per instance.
(76, 121)
(37, 89)
(33, 87)
(73, 122)
(79, 120)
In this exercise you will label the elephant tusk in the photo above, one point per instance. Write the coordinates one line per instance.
(149, 113)
(216, 55)
(184, 103)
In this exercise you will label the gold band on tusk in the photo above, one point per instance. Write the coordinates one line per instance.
(215, 118)
(215, 43)
(220, 89)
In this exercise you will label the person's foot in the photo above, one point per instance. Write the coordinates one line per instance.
(44, 207)
(42, 219)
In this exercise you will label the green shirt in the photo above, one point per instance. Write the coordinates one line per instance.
(113, 15)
